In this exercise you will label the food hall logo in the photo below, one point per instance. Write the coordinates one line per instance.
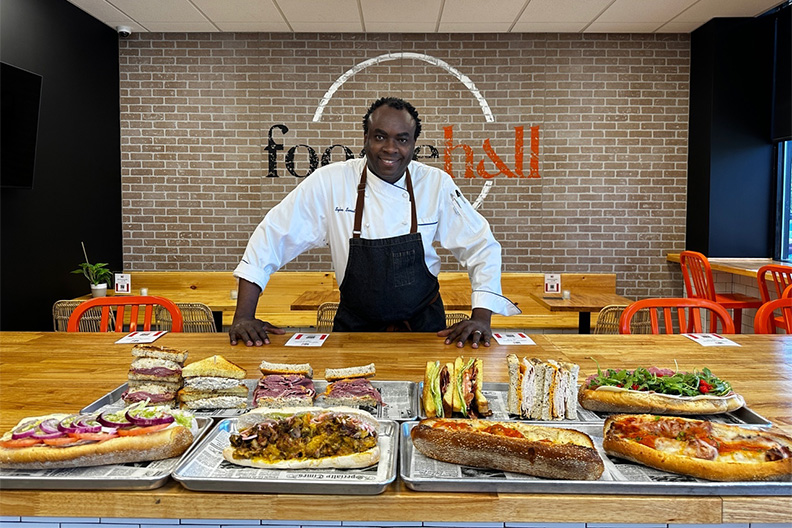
(274, 146)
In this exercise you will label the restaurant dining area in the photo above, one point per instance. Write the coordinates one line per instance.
(330, 263)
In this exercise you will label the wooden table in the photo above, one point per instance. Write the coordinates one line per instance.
(45, 372)
(583, 304)
(747, 267)
(310, 300)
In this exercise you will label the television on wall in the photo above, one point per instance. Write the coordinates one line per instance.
(20, 98)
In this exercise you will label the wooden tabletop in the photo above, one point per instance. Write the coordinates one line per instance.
(737, 266)
(580, 302)
(310, 300)
(46, 372)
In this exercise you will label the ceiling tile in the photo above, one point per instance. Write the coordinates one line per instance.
(704, 10)
(107, 13)
(643, 11)
(563, 10)
(251, 11)
(157, 15)
(548, 27)
(470, 12)
(321, 15)
(412, 16)
(622, 27)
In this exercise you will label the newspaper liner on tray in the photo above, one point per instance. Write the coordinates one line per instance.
(401, 400)
(422, 473)
(206, 469)
(130, 476)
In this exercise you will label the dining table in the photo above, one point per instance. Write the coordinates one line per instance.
(581, 302)
(45, 372)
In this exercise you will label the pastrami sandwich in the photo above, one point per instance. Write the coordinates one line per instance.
(213, 383)
(351, 387)
(542, 390)
(155, 374)
(284, 385)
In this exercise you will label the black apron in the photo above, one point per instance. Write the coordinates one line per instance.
(387, 286)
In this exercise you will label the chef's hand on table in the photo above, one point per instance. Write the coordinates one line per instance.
(246, 327)
(477, 329)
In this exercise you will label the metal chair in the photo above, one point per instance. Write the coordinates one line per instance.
(699, 284)
(608, 321)
(62, 310)
(781, 280)
(678, 314)
(766, 321)
(197, 317)
(325, 315)
(135, 302)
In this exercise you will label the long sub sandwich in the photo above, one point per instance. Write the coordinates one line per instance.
(305, 437)
(549, 452)
(135, 434)
(658, 391)
(700, 448)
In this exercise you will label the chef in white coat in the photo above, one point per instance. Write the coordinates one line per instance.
(380, 215)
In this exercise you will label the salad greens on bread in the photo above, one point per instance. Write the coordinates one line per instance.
(663, 381)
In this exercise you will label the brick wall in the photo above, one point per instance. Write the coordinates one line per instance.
(611, 112)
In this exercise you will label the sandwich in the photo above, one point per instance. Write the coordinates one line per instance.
(455, 388)
(351, 387)
(284, 385)
(305, 437)
(155, 374)
(542, 390)
(213, 383)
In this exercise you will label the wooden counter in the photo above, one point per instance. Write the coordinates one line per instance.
(747, 267)
(45, 372)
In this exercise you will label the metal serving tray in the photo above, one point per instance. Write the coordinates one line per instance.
(620, 476)
(131, 476)
(206, 470)
(497, 395)
(401, 401)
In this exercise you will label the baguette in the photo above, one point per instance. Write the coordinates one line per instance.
(699, 448)
(549, 452)
(620, 400)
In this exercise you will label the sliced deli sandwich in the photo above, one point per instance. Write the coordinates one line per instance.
(155, 374)
(350, 386)
(213, 383)
(455, 389)
(700, 448)
(658, 391)
(542, 390)
(284, 385)
(305, 437)
(134, 434)
(549, 452)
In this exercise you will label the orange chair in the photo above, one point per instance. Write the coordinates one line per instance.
(766, 321)
(673, 311)
(781, 280)
(135, 302)
(699, 284)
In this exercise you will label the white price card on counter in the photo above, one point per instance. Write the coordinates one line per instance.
(512, 338)
(312, 340)
(142, 337)
(711, 340)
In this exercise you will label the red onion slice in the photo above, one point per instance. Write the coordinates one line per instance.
(24, 430)
(115, 419)
(67, 424)
(40, 435)
(156, 418)
(87, 424)
(49, 426)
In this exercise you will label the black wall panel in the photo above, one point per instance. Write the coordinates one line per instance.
(77, 186)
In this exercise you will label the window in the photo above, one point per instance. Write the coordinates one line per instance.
(784, 240)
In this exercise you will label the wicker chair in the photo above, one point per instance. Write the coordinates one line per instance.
(326, 314)
(62, 310)
(608, 321)
(198, 317)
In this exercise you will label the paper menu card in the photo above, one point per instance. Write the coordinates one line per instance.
(312, 340)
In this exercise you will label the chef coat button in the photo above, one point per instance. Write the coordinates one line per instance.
(404, 222)
(405, 195)
(367, 224)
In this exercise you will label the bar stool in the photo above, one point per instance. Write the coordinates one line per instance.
(781, 280)
(699, 284)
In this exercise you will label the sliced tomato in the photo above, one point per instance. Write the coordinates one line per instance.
(60, 441)
(96, 437)
(134, 431)
(21, 442)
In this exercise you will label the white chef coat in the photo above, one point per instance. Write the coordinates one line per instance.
(321, 211)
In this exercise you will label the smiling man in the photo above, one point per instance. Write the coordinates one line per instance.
(380, 215)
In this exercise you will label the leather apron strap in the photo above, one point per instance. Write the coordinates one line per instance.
(361, 200)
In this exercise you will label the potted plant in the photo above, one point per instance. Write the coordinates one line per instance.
(97, 274)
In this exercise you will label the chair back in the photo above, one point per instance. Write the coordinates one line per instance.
(608, 321)
(135, 303)
(697, 273)
(453, 318)
(197, 317)
(325, 315)
(781, 280)
(62, 310)
(766, 321)
(678, 315)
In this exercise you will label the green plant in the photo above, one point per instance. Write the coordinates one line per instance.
(95, 273)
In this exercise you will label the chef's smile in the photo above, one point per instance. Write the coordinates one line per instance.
(390, 142)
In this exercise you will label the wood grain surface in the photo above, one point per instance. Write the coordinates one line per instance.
(45, 372)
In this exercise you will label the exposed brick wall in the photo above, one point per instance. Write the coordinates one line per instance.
(612, 112)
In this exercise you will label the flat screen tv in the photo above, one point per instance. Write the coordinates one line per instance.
(20, 97)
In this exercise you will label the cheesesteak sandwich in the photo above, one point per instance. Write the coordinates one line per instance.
(135, 434)
(700, 448)
(305, 437)
(213, 383)
(658, 391)
(549, 452)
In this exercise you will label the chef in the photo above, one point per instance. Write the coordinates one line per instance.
(380, 215)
